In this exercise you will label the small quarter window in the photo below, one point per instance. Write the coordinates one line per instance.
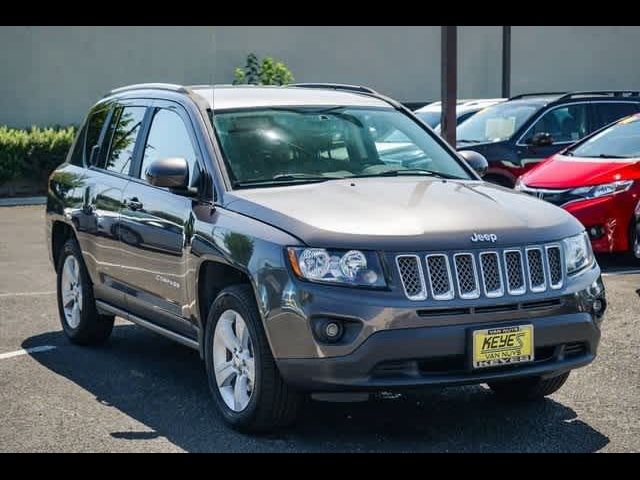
(123, 134)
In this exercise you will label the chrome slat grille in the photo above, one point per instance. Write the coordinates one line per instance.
(440, 276)
(514, 270)
(554, 257)
(466, 275)
(536, 269)
(410, 270)
(492, 274)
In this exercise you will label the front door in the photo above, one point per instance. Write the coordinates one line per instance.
(155, 226)
(566, 124)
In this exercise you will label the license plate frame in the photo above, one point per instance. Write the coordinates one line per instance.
(485, 352)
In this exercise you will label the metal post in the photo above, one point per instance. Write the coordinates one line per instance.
(506, 62)
(448, 83)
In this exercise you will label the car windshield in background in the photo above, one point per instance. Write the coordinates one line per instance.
(495, 123)
(300, 145)
(621, 140)
(430, 118)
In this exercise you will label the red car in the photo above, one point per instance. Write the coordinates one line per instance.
(598, 181)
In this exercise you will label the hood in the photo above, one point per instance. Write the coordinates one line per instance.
(570, 172)
(404, 213)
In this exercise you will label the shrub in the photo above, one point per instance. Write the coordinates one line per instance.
(267, 72)
(33, 154)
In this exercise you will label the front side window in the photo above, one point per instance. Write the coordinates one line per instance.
(621, 140)
(289, 145)
(496, 123)
(564, 124)
(169, 138)
(123, 134)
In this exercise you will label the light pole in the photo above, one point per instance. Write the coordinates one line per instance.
(448, 83)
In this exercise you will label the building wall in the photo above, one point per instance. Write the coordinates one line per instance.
(51, 75)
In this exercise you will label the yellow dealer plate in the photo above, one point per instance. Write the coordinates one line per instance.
(502, 346)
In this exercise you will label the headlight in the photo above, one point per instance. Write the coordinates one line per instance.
(602, 190)
(578, 254)
(347, 267)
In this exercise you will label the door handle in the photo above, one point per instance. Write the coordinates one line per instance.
(134, 204)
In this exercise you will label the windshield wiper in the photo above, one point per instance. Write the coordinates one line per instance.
(410, 171)
(604, 155)
(466, 140)
(284, 179)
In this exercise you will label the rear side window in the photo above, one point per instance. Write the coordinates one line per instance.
(608, 112)
(75, 157)
(123, 133)
(92, 132)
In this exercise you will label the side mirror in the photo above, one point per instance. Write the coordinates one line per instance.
(169, 173)
(475, 161)
(541, 139)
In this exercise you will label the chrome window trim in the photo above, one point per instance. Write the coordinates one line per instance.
(423, 291)
(495, 293)
(537, 289)
(519, 291)
(476, 293)
(449, 295)
(557, 286)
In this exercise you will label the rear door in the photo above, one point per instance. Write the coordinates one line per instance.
(156, 224)
(606, 112)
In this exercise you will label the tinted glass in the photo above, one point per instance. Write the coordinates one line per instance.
(619, 140)
(565, 124)
(495, 123)
(169, 137)
(606, 112)
(93, 129)
(76, 155)
(312, 144)
(123, 139)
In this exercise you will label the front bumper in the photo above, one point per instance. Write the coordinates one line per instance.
(395, 359)
(611, 214)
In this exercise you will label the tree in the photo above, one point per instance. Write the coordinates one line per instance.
(267, 72)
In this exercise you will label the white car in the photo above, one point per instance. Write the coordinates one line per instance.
(430, 114)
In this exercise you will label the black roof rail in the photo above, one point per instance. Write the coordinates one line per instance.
(612, 93)
(335, 86)
(538, 94)
(149, 86)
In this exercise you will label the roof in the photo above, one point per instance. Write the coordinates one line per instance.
(228, 97)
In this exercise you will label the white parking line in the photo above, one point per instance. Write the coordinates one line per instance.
(25, 294)
(634, 271)
(43, 348)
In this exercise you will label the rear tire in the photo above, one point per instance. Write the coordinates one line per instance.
(81, 322)
(634, 241)
(528, 389)
(251, 397)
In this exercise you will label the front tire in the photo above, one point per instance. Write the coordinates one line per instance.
(243, 377)
(528, 389)
(81, 322)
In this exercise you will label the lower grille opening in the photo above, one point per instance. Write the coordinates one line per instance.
(541, 304)
(497, 308)
(443, 312)
(575, 349)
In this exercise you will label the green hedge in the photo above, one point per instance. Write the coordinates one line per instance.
(32, 154)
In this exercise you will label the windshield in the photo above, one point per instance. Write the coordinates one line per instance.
(430, 118)
(298, 145)
(621, 140)
(495, 123)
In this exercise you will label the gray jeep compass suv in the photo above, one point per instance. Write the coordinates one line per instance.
(314, 240)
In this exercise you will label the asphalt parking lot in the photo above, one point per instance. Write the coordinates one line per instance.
(143, 393)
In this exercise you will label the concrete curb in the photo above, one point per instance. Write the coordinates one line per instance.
(18, 201)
